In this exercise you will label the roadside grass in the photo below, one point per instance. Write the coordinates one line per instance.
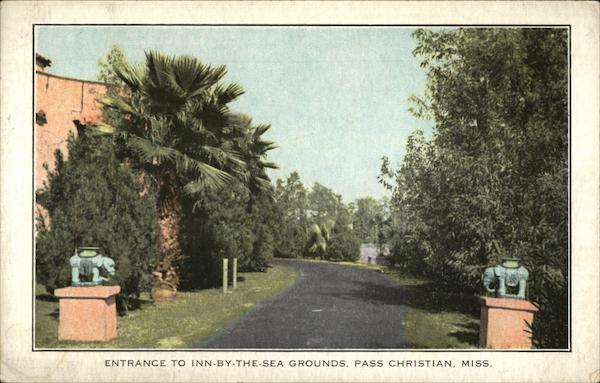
(438, 318)
(188, 318)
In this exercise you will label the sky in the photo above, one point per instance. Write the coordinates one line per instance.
(336, 97)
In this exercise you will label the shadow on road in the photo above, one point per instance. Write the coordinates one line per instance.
(427, 296)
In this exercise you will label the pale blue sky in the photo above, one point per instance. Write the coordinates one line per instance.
(336, 97)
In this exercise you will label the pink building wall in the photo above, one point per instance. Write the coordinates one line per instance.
(61, 100)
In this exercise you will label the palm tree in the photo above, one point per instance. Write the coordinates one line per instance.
(176, 126)
(318, 237)
(253, 149)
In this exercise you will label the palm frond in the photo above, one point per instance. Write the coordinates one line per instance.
(222, 156)
(260, 183)
(148, 150)
(102, 129)
(130, 75)
(161, 128)
(206, 76)
(193, 77)
(226, 95)
(119, 103)
(268, 164)
(261, 148)
(206, 174)
(259, 130)
(197, 126)
(157, 68)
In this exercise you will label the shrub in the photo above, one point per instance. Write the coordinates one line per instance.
(229, 223)
(344, 245)
(93, 200)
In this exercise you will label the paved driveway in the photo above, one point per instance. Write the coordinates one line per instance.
(330, 306)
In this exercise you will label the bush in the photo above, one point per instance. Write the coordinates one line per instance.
(229, 223)
(343, 245)
(93, 200)
(291, 232)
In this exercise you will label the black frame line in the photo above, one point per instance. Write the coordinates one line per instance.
(277, 350)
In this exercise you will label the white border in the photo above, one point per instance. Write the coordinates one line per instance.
(19, 363)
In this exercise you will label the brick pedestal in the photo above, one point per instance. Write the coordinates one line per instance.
(504, 323)
(87, 313)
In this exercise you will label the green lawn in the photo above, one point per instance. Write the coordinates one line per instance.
(191, 316)
(437, 317)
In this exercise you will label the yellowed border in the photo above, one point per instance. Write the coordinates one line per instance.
(19, 363)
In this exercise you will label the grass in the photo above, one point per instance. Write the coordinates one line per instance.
(190, 317)
(437, 317)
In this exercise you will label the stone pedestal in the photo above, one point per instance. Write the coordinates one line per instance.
(504, 323)
(87, 313)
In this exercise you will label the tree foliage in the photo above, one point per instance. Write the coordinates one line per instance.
(313, 222)
(93, 200)
(173, 121)
(292, 216)
(231, 223)
(368, 217)
(493, 180)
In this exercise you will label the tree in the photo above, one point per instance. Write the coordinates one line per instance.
(319, 235)
(249, 141)
(493, 179)
(173, 120)
(331, 235)
(93, 200)
(108, 68)
(231, 223)
(291, 200)
(367, 219)
(107, 65)
(323, 202)
(344, 243)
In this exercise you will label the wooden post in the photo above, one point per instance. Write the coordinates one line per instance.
(225, 275)
(234, 273)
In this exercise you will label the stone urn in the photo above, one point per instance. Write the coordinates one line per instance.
(162, 291)
(162, 294)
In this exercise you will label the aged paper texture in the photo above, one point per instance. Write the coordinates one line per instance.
(20, 362)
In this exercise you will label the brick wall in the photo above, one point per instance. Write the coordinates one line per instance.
(59, 101)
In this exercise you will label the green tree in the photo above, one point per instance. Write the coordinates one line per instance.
(106, 67)
(493, 179)
(291, 200)
(367, 219)
(319, 235)
(93, 200)
(344, 242)
(173, 120)
(323, 202)
(331, 235)
(231, 223)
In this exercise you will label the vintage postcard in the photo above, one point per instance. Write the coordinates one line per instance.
(286, 191)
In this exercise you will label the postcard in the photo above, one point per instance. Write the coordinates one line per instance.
(300, 191)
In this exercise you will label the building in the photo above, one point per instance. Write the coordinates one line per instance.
(60, 103)
(371, 253)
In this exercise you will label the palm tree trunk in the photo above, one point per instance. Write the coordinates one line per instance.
(166, 272)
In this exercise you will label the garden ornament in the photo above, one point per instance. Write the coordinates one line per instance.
(88, 262)
(509, 279)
